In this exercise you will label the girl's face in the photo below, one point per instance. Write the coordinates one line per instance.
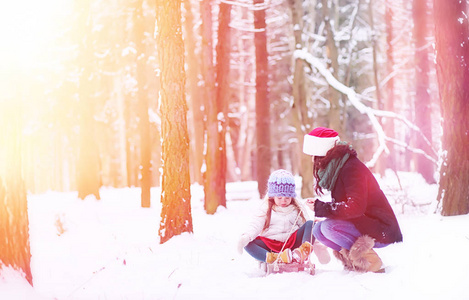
(282, 201)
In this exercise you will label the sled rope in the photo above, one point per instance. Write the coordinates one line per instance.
(275, 263)
(314, 223)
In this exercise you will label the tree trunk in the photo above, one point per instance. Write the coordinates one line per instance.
(381, 163)
(335, 110)
(142, 111)
(388, 124)
(300, 118)
(262, 101)
(223, 50)
(451, 32)
(121, 164)
(88, 166)
(422, 96)
(245, 142)
(176, 215)
(128, 134)
(245, 130)
(14, 223)
(196, 96)
(215, 157)
(212, 153)
(14, 227)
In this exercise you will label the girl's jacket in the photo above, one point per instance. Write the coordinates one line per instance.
(283, 222)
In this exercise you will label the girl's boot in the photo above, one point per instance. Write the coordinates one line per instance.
(285, 256)
(301, 254)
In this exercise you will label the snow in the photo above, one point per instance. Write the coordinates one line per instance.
(109, 249)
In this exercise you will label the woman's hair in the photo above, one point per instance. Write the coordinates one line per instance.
(321, 162)
(271, 203)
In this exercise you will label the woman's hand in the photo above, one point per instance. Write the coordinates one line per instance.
(310, 203)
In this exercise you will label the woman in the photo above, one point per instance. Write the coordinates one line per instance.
(359, 217)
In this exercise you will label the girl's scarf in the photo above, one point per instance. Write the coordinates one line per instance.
(328, 175)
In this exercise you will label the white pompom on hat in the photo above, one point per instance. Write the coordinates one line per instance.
(319, 141)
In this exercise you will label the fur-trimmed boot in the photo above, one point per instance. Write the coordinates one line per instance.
(363, 257)
(343, 257)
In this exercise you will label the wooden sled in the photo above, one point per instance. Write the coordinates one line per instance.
(277, 268)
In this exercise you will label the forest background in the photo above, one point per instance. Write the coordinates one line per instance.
(171, 93)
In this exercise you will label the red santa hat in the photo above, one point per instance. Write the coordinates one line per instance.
(319, 141)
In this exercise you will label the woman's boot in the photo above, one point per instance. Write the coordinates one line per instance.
(363, 257)
(343, 257)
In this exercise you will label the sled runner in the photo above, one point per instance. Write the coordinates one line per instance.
(276, 268)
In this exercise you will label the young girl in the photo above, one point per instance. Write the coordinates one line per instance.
(280, 226)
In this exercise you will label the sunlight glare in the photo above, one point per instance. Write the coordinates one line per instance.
(27, 28)
(28, 33)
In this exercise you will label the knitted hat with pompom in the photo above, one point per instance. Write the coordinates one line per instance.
(281, 183)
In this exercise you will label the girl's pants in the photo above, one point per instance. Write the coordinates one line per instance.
(258, 249)
(337, 234)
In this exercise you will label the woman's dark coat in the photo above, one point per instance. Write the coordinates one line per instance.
(357, 197)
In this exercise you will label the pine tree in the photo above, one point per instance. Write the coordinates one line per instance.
(14, 221)
(451, 33)
(144, 122)
(262, 100)
(176, 215)
(422, 95)
(88, 177)
(215, 157)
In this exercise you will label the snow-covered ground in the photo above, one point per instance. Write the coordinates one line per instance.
(110, 249)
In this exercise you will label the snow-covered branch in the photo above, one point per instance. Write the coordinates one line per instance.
(250, 6)
(370, 112)
(353, 98)
(412, 149)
